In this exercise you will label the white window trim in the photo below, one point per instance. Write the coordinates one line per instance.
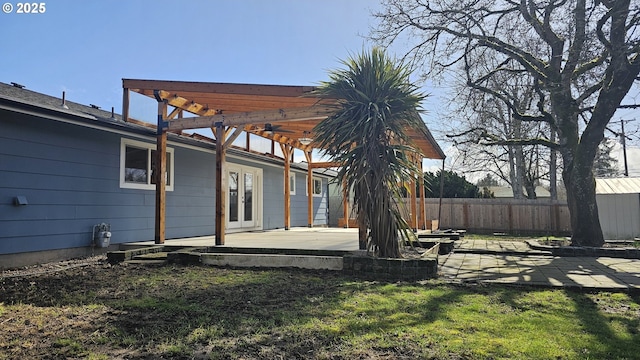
(314, 178)
(124, 142)
(292, 188)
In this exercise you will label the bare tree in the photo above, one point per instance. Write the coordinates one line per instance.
(582, 55)
(487, 119)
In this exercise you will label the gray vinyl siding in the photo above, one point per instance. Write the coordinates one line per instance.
(70, 177)
(69, 174)
(321, 205)
(190, 208)
(273, 197)
(299, 203)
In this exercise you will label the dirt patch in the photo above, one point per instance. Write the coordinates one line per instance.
(554, 242)
(611, 244)
(91, 309)
(53, 267)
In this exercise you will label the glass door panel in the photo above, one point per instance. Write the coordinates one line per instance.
(234, 208)
(244, 188)
(248, 198)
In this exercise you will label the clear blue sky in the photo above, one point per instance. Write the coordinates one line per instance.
(86, 47)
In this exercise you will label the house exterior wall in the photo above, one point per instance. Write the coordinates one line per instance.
(70, 177)
(336, 207)
(619, 215)
(299, 203)
(321, 205)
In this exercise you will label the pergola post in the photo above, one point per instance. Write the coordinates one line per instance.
(441, 194)
(307, 155)
(125, 104)
(159, 173)
(222, 144)
(345, 204)
(286, 152)
(414, 209)
(414, 200)
(423, 210)
(221, 185)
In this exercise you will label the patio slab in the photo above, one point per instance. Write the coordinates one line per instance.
(296, 238)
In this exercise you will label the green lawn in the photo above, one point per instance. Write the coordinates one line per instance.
(103, 312)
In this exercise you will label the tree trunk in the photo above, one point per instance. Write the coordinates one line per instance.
(521, 173)
(577, 175)
(516, 183)
(581, 198)
(531, 189)
(363, 239)
(553, 170)
(384, 232)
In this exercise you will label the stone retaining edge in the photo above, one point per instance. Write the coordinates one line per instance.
(580, 251)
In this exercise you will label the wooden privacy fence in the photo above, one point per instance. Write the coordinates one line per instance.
(513, 216)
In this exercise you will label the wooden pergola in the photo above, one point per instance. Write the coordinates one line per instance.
(282, 114)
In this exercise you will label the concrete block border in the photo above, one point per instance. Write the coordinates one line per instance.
(355, 264)
(372, 268)
(579, 251)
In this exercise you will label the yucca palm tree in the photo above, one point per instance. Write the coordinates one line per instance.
(377, 104)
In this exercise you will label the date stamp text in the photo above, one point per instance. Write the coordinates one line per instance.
(24, 8)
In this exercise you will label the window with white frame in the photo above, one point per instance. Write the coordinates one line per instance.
(316, 186)
(137, 164)
(292, 183)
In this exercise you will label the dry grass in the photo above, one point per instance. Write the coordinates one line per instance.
(134, 312)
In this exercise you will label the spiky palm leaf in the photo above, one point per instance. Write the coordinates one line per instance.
(377, 104)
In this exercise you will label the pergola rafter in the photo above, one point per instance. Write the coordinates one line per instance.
(318, 112)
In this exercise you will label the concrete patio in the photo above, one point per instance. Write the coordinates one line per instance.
(295, 238)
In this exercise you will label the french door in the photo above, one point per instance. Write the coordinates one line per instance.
(244, 197)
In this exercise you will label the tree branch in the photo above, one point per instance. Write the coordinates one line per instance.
(522, 142)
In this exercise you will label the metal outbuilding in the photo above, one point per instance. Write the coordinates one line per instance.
(619, 207)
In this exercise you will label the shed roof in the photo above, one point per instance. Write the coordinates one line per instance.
(617, 186)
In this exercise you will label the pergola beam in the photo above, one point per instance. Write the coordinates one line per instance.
(325, 164)
(317, 112)
(279, 138)
(221, 88)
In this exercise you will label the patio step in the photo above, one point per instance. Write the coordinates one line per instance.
(152, 256)
(146, 262)
(158, 258)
